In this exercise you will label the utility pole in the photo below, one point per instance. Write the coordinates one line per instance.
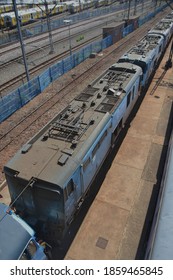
(47, 12)
(128, 10)
(49, 27)
(79, 6)
(21, 39)
(142, 6)
(68, 21)
(135, 8)
(155, 6)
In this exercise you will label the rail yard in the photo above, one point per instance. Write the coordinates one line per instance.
(37, 49)
(119, 218)
(126, 187)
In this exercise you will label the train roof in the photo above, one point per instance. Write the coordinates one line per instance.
(169, 16)
(63, 143)
(14, 235)
(162, 27)
(144, 49)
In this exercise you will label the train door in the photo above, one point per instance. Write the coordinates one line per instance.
(94, 160)
(72, 194)
(116, 132)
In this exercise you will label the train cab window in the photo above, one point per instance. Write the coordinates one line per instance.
(103, 137)
(128, 98)
(86, 163)
(95, 149)
(29, 252)
(70, 187)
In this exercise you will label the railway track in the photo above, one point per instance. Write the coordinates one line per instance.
(16, 131)
(58, 32)
(36, 70)
(36, 39)
(20, 77)
(118, 50)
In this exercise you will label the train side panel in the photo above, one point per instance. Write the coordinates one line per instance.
(96, 154)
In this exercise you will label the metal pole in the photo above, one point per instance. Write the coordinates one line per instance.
(135, 8)
(129, 10)
(70, 39)
(142, 6)
(155, 7)
(68, 21)
(79, 6)
(49, 28)
(21, 39)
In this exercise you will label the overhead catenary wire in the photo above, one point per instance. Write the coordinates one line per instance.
(30, 184)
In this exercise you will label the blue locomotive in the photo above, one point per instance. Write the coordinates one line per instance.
(17, 238)
(51, 174)
(146, 54)
(165, 28)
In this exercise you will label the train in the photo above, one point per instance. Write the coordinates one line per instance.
(77, 6)
(18, 240)
(49, 177)
(32, 12)
(160, 238)
(8, 20)
(5, 8)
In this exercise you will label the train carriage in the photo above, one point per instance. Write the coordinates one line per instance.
(7, 8)
(49, 177)
(164, 28)
(146, 54)
(62, 8)
(9, 19)
(1, 9)
(28, 15)
(1, 22)
(73, 8)
(54, 170)
(169, 16)
(18, 241)
(25, 16)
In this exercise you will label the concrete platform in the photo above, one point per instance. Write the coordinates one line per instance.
(118, 220)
